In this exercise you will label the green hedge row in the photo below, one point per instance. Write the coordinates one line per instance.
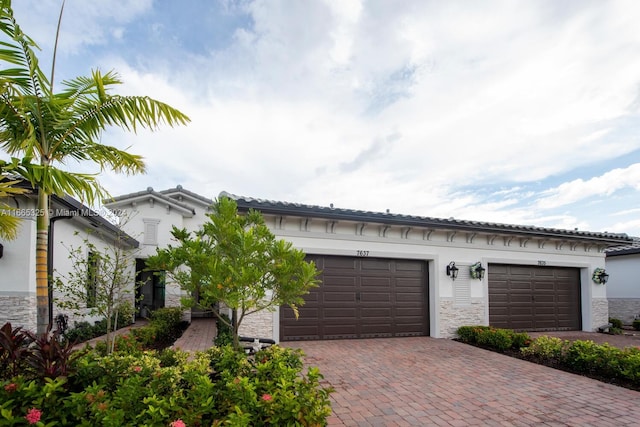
(584, 357)
(498, 339)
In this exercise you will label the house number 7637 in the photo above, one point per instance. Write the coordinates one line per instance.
(362, 253)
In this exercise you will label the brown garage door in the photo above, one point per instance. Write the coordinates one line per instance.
(361, 298)
(534, 298)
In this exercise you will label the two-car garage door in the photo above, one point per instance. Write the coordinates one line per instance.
(361, 298)
(534, 298)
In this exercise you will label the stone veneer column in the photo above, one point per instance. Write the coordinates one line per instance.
(19, 309)
(453, 316)
(600, 310)
(258, 325)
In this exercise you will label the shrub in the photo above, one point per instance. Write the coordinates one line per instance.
(636, 324)
(546, 347)
(224, 332)
(165, 326)
(615, 323)
(499, 339)
(469, 334)
(159, 388)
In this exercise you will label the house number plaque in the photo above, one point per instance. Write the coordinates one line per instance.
(362, 253)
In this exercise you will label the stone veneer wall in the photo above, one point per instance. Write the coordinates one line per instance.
(258, 324)
(453, 316)
(600, 310)
(19, 309)
(625, 309)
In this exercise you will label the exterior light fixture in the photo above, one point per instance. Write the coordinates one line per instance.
(600, 276)
(476, 271)
(452, 270)
(1, 250)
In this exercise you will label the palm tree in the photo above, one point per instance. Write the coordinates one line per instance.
(47, 128)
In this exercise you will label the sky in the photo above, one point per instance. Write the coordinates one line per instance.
(514, 111)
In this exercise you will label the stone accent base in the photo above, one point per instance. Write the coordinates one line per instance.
(600, 310)
(453, 316)
(20, 310)
(625, 309)
(258, 324)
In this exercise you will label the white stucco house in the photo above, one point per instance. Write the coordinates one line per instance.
(386, 274)
(71, 223)
(623, 286)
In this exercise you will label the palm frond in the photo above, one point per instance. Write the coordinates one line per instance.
(20, 51)
(56, 181)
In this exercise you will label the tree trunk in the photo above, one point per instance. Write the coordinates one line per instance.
(236, 328)
(42, 271)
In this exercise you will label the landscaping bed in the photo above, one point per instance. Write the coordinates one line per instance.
(602, 362)
(45, 382)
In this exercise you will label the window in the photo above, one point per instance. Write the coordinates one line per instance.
(92, 278)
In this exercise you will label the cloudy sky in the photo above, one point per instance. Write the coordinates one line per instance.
(522, 112)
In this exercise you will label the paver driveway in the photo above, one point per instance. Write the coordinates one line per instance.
(426, 381)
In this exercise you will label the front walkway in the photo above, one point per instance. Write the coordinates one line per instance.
(425, 381)
(199, 335)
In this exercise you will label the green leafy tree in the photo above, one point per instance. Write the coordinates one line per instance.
(236, 260)
(45, 129)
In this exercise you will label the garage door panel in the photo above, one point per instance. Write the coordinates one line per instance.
(409, 266)
(551, 293)
(375, 264)
(544, 286)
(338, 282)
(516, 271)
(374, 297)
(364, 297)
(375, 282)
(523, 286)
(338, 263)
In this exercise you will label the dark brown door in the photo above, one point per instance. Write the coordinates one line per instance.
(534, 298)
(361, 298)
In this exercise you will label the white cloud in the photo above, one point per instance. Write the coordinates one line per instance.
(579, 189)
(399, 105)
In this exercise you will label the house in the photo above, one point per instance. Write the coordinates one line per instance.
(623, 286)
(70, 224)
(385, 274)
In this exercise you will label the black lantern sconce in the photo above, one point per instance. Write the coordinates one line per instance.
(477, 271)
(1, 250)
(600, 276)
(452, 270)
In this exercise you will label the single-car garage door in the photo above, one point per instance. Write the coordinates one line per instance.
(534, 298)
(361, 298)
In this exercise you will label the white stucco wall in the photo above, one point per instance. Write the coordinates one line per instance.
(623, 287)
(447, 310)
(17, 267)
(72, 234)
(438, 248)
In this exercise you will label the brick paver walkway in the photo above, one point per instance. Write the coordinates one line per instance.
(425, 381)
(199, 335)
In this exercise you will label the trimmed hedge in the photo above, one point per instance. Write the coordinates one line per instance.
(601, 361)
(494, 338)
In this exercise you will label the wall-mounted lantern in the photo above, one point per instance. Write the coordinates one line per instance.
(600, 276)
(476, 271)
(452, 270)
